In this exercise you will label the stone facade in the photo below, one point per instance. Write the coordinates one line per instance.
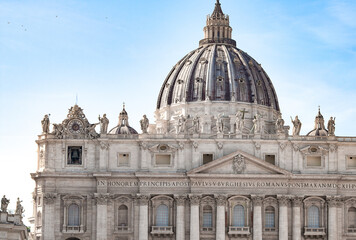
(12, 227)
(208, 168)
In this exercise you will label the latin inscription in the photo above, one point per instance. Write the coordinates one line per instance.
(227, 184)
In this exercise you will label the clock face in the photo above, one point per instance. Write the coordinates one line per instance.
(75, 126)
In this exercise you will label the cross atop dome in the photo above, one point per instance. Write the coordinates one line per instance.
(217, 29)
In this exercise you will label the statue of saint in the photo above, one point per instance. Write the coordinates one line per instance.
(181, 126)
(279, 124)
(331, 126)
(297, 125)
(240, 122)
(19, 208)
(145, 123)
(45, 124)
(219, 124)
(196, 124)
(4, 203)
(255, 124)
(104, 123)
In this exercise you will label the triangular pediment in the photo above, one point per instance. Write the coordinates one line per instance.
(239, 162)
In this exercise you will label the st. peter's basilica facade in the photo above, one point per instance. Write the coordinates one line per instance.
(218, 162)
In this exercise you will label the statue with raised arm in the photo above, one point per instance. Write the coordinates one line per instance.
(297, 125)
(19, 208)
(331, 126)
(4, 204)
(45, 124)
(145, 123)
(104, 123)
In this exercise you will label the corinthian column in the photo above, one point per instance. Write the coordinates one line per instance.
(257, 217)
(283, 202)
(220, 217)
(48, 213)
(194, 217)
(101, 215)
(143, 219)
(297, 232)
(180, 232)
(332, 217)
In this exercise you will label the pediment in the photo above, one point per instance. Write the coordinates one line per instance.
(239, 162)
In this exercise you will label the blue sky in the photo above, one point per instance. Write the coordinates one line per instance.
(110, 52)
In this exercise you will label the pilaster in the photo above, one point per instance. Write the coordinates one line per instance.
(143, 219)
(194, 217)
(283, 202)
(257, 217)
(220, 217)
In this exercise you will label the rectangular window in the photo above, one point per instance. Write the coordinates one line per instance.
(207, 158)
(163, 159)
(351, 161)
(313, 161)
(74, 156)
(123, 159)
(270, 159)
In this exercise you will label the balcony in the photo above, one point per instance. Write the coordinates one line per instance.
(162, 231)
(314, 232)
(270, 229)
(123, 228)
(351, 230)
(207, 229)
(73, 229)
(239, 231)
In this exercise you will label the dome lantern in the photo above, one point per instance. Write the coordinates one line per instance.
(217, 29)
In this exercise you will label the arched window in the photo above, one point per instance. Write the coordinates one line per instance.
(162, 216)
(123, 216)
(238, 216)
(207, 216)
(313, 217)
(352, 217)
(73, 215)
(269, 217)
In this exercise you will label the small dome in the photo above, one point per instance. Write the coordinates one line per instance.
(319, 127)
(123, 127)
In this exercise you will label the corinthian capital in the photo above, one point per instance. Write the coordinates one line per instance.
(180, 199)
(283, 200)
(333, 201)
(297, 201)
(143, 199)
(101, 199)
(194, 199)
(49, 198)
(220, 200)
(257, 200)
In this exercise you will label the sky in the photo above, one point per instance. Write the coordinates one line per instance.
(110, 52)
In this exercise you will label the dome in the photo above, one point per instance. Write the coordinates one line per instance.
(217, 71)
(123, 126)
(319, 127)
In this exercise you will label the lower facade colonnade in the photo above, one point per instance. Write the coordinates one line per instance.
(225, 217)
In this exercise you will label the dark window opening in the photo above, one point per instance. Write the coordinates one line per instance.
(207, 158)
(74, 155)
